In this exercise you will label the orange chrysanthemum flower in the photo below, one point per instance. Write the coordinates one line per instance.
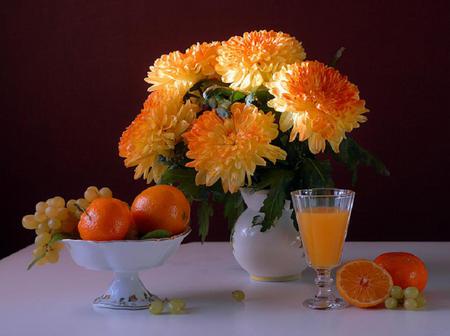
(249, 61)
(155, 132)
(230, 149)
(318, 103)
(182, 70)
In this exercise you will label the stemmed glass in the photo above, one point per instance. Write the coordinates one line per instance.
(323, 216)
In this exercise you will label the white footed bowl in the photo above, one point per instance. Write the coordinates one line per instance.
(125, 258)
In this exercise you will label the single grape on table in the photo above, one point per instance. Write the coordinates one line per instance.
(176, 306)
(156, 307)
(238, 295)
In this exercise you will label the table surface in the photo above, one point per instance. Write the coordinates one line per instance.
(56, 299)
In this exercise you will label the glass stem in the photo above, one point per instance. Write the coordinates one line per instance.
(323, 282)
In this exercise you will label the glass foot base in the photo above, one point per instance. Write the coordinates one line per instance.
(325, 304)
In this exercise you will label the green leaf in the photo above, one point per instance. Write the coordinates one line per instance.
(337, 56)
(351, 154)
(59, 236)
(184, 179)
(205, 83)
(205, 212)
(237, 96)
(278, 180)
(263, 95)
(316, 173)
(217, 91)
(156, 234)
(234, 206)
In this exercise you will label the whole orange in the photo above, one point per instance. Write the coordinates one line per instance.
(406, 269)
(105, 219)
(161, 207)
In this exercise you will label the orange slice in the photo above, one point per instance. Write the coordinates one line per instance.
(363, 283)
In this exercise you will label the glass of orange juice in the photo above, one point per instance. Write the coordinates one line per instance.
(323, 216)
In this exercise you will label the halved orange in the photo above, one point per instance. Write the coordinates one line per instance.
(362, 283)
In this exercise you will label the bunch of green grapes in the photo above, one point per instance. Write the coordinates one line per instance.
(410, 298)
(54, 219)
(76, 207)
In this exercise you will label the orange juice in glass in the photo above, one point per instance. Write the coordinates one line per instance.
(323, 216)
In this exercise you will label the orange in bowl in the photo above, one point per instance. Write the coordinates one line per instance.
(161, 207)
(363, 284)
(406, 269)
(105, 219)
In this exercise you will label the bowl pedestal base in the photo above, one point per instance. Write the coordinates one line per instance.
(125, 292)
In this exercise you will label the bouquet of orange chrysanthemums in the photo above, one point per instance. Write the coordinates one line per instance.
(250, 112)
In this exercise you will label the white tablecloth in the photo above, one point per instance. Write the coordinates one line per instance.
(56, 299)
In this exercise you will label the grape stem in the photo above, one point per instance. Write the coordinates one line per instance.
(82, 210)
(35, 260)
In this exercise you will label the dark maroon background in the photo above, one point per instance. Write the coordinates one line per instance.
(72, 80)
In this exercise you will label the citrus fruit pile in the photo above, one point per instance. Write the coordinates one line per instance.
(158, 212)
(394, 278)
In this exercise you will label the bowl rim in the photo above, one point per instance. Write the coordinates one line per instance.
(180, 235)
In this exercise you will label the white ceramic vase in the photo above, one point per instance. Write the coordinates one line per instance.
(273, 255)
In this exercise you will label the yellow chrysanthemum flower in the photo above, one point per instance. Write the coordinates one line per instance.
(318, 103)
(230, 149)
(249, 61)
(180, 71)
(155, 132)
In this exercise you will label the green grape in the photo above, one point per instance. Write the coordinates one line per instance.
(52, 256)
(78, 214)
(411, 293)
(38, 251)
(57, 246)
(40, 207)
(105, 192)
(62, 214)
(93, 188)
(42, 261)
(156, 307)
(410, 304)
(421, 300)
(176, 306)
(91, 194)
(29, 222)
(82, 203)
(238, 295)
(54, 224)
(42, 239)
(42, 228)
(51, 212)
(40, 216)
(390, 303)
(397, 292)
(57, 202)
(71, 205)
